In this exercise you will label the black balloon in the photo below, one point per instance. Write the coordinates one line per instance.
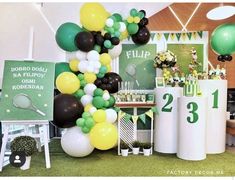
(107, 36)
(98, 82)
(85, 41)
(220, 58)
(142, 36)
(115, 40)
(67, 109)
(103, 50)
(143, 22)
(99, 39)
(228, 57)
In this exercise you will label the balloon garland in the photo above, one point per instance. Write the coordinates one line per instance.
(85, 105)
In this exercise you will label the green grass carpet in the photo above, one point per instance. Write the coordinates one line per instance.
(108, 163)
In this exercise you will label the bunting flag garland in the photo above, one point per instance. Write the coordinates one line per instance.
(194, 35)
(166, 36)
(127, 117)
(189, 35)
(159, 36)
(178, 35)
(152, 36)
(172, 35)
(200, 33)
(183, 35)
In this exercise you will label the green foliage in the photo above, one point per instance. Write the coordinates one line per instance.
(136, 144)
(124, 145)
(146, 145)
(24, 143)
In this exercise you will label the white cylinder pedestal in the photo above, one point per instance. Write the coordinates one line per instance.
(216, 91)
(165, 133)
(192, 128)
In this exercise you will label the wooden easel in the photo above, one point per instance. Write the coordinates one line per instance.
(6, 135)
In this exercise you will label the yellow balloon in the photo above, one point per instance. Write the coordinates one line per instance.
(105, 59)
(104, 136)
(73, 64)
(89, 77)
(87, 107)
(130, 19)
(108, 68)
(93, 16)
(136, 19)
(99, 116)
(67, 83)
(124, 35)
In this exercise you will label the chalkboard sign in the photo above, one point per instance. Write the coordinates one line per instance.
(136, 64)
(27, 91)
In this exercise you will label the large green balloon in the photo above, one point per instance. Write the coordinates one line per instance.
(223, 39)
(65, 36)
(98, 102)
(132, 28)
(61, 67)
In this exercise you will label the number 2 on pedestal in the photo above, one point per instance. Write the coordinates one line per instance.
(193, 107)
(169, 98)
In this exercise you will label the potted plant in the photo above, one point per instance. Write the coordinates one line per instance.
(26, 144)
(124, 148)
(136, 147)
(146, 148)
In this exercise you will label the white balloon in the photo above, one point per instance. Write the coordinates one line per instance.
(109, 22)
(93, 56)
(111, 115)
(86, 99)
(122, 26)
(70, 55)
(90, 68)
(106, 96)
(81, 55)
(89, 89)
(75, 143)
(96, 71)
(116, 51)
(92, 110)
(82, 66)
(97, 64)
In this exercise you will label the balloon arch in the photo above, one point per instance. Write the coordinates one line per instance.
(85, 104)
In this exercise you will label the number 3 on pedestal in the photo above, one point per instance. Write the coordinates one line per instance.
(169, 98)
(193, 107)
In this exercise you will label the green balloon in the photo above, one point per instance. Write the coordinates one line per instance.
(110, 30)
(86, 115)
(103, 69)
(116, 26)
(79, 93)
(223, 39)
(100, 75)
(97, 48)
(132, 28)
(80, 122)
(111, 101)
(82, 83)
(107, 44)
(61, 67)
(141, 15)
(98, 102)
(85, 129)
(134, 12)
(89, 122)
(117, 34)
(106, 104)
(98, 92)
(65, 36)
(118, 17)
(80, 77)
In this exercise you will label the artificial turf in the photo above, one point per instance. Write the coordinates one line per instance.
(108, 163)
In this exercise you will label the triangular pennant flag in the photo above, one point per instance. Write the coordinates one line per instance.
(172, 36)
(200, 33)
(149, 114)
(166, 35)
(121, 114)
(183, 35)
(159, 36)
(143, 118)
(117, 109)
(152, 35)
(134, 118)
(178, 35)
(189, 35)
(129, 37)
(154, 109)
(195, 35)
(127, 117)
